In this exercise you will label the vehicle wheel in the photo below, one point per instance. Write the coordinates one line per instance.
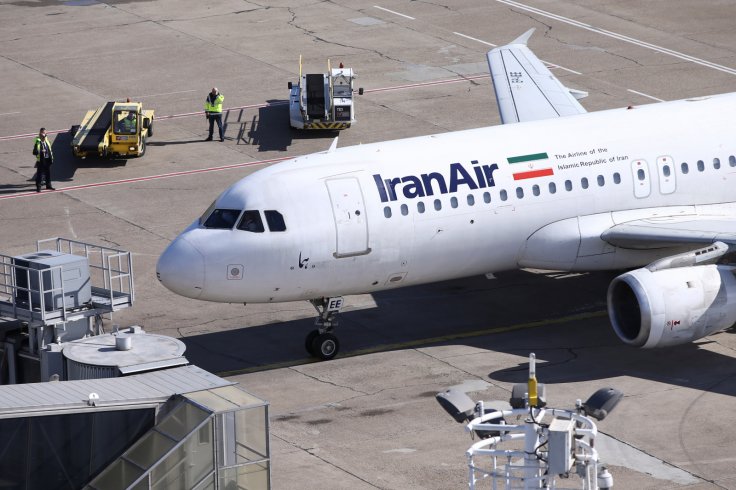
(308, 341)
(150, 130)
(143, 148)
(325, 346)
(73, 130)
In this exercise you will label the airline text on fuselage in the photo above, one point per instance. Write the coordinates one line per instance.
(413, 186)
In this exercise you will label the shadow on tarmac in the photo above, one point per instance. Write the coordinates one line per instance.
(270, 129)
(66, 164)
(463, 312)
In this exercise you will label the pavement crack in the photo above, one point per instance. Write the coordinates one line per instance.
(312, 452)
(331, 383)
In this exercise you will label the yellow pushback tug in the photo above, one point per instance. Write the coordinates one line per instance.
(117, 129)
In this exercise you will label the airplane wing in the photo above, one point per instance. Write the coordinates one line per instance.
(671, 231)
(525, 89)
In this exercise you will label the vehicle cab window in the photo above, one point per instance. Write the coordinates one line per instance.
(223, 219)
(251, 221)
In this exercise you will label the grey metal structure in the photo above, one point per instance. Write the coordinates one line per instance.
(59, 293)
(120, 354)
(174, 428)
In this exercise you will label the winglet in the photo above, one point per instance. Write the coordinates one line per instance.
(524, 37)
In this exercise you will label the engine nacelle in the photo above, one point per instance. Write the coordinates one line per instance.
(672, 306)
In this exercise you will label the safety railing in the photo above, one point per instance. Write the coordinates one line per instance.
(110, 267)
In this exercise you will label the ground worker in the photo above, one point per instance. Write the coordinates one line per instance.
(44, 160)
(213, 111)
(128, 125)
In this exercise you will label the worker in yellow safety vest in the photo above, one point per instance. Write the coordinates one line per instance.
(44, 159)
(128, 124)
(213, 111)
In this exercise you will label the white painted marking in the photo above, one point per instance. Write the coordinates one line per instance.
(621, 37)
(552, 65)
(403, 450)
(645, 95)
(165, 93)
(395, 13)
(9, 113)
(474, 39)
(69, 222)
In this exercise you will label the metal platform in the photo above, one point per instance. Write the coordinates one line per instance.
(111, 277)
(38, 310)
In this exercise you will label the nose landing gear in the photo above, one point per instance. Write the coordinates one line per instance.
(322, 342)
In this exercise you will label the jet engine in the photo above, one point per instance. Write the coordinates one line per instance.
(673, 306)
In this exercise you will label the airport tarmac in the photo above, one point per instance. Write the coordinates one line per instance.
(367, 419)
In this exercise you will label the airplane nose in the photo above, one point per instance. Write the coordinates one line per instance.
(181, 269)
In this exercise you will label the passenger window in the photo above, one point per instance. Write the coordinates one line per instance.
(504, 196)
(420, 207)
(732, 161)
(275, 220)
(251, 221)
(666, 170)
(701, 166)
(640, 174)
(716, 163)
(404, 209)
(471, 200)
(387, 211)
(552, 188)
(222, 219)
(568, 185)
(535, 190)
(486, 197)
(437, 204)
(601, 181)
(584, 182)
(684, 168)
(616, 178)
(453, 202)
(520, 193)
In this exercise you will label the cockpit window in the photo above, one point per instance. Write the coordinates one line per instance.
(206, 214)
(275, 221)
(222, 218)
(251, 221)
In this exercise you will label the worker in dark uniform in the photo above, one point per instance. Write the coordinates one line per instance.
(44, 160)
(213, 111)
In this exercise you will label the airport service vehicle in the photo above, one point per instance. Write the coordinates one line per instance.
(117, 129)
(554, 187)
(323, 100)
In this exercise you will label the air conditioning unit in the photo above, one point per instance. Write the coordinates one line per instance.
(61, 278)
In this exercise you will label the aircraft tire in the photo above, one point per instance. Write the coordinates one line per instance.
(308, 341)
(325, 346)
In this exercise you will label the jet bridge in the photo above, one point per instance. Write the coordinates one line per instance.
(59, 292)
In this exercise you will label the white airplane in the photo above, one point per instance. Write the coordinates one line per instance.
(552, 188)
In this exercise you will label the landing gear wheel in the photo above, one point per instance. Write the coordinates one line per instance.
(325, 346)
(308, 341)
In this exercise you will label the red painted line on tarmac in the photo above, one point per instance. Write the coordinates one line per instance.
(143, 179)
(258, 106)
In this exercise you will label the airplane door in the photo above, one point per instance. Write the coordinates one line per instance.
(350, 217)
(642, 183)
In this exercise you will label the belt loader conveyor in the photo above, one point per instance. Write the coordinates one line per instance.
(115, 129)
